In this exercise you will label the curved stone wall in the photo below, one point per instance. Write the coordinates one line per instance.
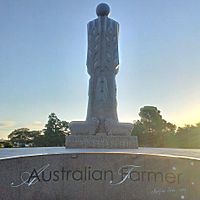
(101, 176)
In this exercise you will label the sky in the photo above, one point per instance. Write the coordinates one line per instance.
(43, 48)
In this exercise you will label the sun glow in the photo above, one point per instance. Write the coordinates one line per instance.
(188, 115)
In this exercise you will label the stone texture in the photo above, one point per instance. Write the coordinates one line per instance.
(153, 177)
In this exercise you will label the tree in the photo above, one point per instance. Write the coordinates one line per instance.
(54, 132)
(152, 129)
(23, 136)
(7, 145)
(188, 136)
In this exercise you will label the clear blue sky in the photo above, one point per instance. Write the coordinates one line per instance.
(43, 47)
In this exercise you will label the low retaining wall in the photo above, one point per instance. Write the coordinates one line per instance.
(100, 176)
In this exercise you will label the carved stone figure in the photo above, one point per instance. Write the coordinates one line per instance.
(102, 66)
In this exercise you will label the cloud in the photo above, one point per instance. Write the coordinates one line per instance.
(6, 127)
(7, 124)
(36, 125)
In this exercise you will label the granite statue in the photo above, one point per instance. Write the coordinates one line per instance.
(102, 67)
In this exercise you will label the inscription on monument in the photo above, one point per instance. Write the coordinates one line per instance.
(131, 173)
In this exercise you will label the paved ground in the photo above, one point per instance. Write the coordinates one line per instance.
(19, 152)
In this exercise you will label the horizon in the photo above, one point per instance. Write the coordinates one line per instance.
(43, 60)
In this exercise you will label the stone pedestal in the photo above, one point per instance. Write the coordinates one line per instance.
(84, 134)
(106, 142)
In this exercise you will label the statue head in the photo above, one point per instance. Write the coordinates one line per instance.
(103, 9)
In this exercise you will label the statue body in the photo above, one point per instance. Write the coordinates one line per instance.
(102, 66)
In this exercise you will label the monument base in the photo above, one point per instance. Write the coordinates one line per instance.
(106, 142)
(56, 173)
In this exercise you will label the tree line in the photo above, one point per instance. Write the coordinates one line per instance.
(152, 131)
(53, 134)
